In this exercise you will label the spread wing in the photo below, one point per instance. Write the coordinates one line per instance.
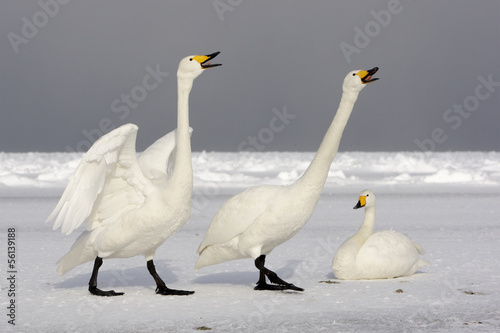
(106, 183)
(158, 159)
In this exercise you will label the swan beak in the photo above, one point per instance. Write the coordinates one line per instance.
(204, 60)
(366, 76)
(361, 202)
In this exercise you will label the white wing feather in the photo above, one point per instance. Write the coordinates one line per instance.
(106, 183)
(158, 159)
(238, 213)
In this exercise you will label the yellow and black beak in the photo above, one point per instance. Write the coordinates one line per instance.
(366, 76)
(204, 60)
(361, 202)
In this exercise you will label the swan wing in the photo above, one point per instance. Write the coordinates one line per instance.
(158, 159)
(107, 182)
(238, 214)
(389, 245)
(388, 254)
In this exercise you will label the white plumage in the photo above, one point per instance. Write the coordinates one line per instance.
(131, 206)
(380, 255)
(252, 223)
(109, 191)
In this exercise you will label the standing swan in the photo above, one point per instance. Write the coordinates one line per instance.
(255, 221)
(380, 255)
(131, 206)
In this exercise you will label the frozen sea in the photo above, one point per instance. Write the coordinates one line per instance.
(448, 202)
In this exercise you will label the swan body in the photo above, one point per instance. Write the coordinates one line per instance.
(131, 205)
(260, 228)
(380, 255)
(255, 221)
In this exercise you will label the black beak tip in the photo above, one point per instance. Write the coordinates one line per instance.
(372, 71)
(213, 55)
(210, 57)
(368, 78)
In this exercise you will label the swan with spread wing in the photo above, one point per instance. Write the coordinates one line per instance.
(131, 206)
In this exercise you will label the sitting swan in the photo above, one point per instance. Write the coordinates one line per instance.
(380, 255)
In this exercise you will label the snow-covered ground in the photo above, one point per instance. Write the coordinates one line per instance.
(448, 202)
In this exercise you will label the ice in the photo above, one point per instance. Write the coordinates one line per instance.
(446, 201)
(247, 169)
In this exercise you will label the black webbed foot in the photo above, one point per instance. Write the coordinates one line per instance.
(98, 292)
(93, 282)
(173, 292)
(277, 282)
(161, 287)
(266, 286)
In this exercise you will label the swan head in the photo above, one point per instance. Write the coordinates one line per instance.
(192, 66)
(357, 80)
(366, 199)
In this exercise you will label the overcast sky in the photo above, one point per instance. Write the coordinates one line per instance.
(71, 70)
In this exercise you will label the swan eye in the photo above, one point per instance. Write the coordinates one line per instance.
(367, 195)
(190, 59)
(353, 74)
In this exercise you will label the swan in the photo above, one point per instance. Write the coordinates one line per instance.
(131, 206)
(252, 223)
(381, 255)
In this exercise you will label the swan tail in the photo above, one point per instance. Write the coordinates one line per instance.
(419, 248)
(217, 254)
(79, 253)
(421, 263)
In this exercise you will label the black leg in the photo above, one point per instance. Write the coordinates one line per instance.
(279, 284)
(93, 282)
(161, 287)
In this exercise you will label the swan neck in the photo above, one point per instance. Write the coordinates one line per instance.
(366, 229)
(317, 172)
(182, 166)
(352, 246)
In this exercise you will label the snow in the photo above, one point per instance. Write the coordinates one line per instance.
(447, 202)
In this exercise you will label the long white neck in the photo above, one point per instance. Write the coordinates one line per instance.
(182, 173)
(317, 172)
(366, 229)
(350, 248)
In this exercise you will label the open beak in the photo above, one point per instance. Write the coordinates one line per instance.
(367, 76)
(204, 60)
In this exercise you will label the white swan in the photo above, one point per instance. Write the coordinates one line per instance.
(252, 223)
(131, 206)
(380, 255)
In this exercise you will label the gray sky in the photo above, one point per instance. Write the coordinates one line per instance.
(71, 70)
